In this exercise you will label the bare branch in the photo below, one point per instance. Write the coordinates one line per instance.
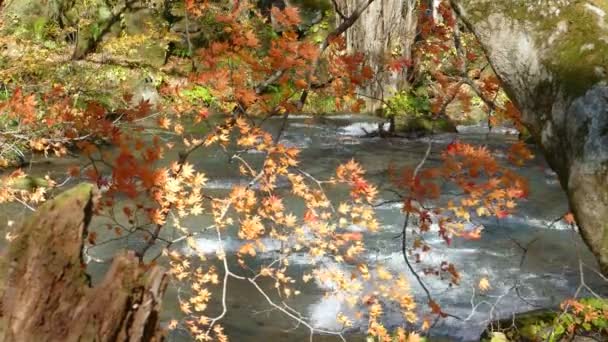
(337, 9)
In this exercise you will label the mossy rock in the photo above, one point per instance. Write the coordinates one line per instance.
(570, 34)
(540, 325)
(526, 326)
(426, 125)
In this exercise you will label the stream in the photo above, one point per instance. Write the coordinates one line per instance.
(548, 274)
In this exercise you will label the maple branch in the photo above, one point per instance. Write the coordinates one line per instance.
(291, 315)
(451, 96)
(183, 156)
(596, 272)
(227, 273)
(337, 9)
(345, 25)
(25, 204)
(555, 221)
(319, 184)
(464, 78)
(260, 88)
(431, 301)
(524, 248)
(404, 231)
(491, 305)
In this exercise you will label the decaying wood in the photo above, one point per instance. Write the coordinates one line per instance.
(48, 296)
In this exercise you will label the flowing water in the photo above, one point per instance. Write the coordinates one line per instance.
(547, 275)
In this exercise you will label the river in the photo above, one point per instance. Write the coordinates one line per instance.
(547, 275)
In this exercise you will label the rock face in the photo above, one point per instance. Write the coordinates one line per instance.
(47, 295)
(386, 29)
(551, 58)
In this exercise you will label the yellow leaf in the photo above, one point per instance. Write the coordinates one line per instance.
(482, 211)
(484, 284)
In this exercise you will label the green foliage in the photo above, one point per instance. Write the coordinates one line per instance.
(319, 31)
(95, 31)
(199, 94)
(587, 315)
(583, 317)
(4, 94)
(498, 337)
(39, 28)
(320, 104)
(181, 52)
(408, 103)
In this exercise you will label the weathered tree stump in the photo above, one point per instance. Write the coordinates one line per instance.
(48, 296)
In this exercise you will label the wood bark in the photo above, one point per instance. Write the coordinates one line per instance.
(48, 296)
(386, 30)
(551, 58)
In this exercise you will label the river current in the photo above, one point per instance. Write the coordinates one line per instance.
(547, 274)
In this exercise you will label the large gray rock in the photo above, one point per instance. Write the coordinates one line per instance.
(551, 58)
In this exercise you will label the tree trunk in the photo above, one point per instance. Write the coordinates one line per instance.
(387, 29)
(551, 58)
(48, 297)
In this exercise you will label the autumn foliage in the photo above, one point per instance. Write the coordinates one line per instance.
(151, 186)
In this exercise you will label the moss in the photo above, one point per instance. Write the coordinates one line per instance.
(34, 229)
(552, 325)
(424, 124)
(527, 326)
(604, 250)
(573, 65)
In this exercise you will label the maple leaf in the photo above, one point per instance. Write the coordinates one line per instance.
(248, 249)
(199, 180)
(172, 324)
(354, 236)
(426, 324)
(502, 214)
(251, 228)
(251, 40)
(290, 220)
(288, 17)
(197, 209)
(164, 122)
(383, 274)
(453, 147)
(300, 83)
(414, 337)
(343, 208)
(247, 96)
(399, 64)
(474, 234)
(187, 170)
(484, 284)
(92, 238)
(310, 216)
(569, 218)
(436, 309)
